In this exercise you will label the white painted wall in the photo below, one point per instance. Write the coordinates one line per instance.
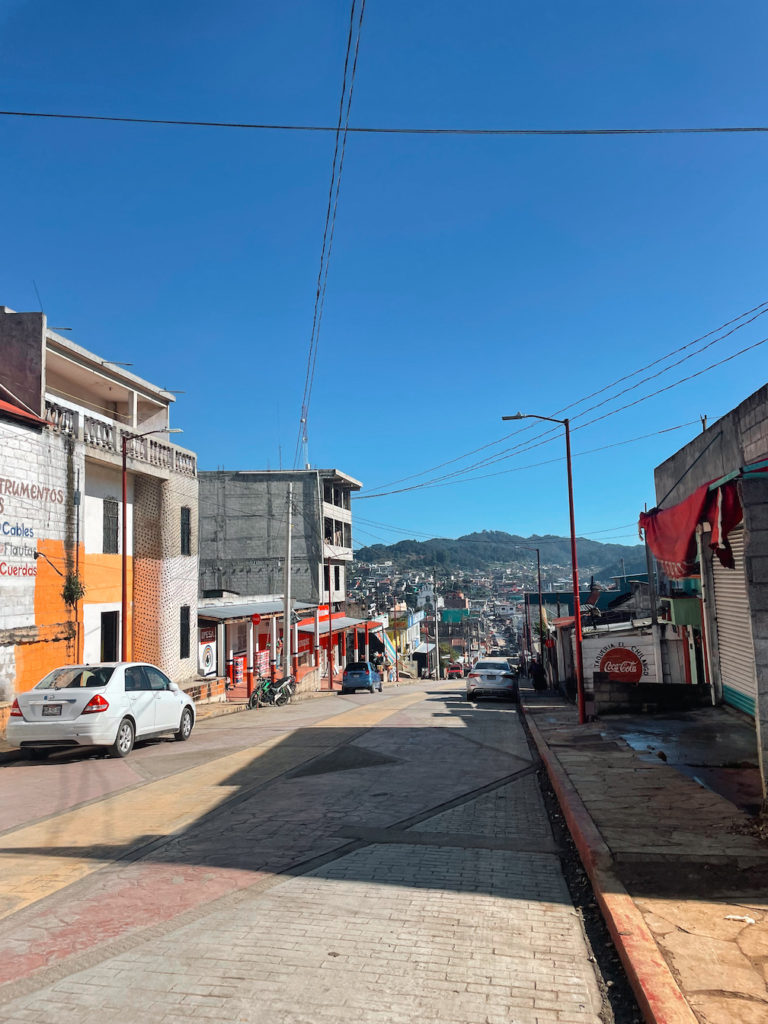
(104, 482)
(92, 630)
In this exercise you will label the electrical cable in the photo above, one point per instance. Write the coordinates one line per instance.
(330, 220)
(379, 130)
(518, 469)
(763, 307)
(545, 438)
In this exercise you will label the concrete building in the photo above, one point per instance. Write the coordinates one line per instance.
(714, 492)
(243, 517)
(65, 414)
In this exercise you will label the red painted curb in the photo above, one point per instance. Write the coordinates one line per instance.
(655, 988)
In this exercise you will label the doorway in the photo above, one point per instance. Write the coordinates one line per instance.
(109, 623)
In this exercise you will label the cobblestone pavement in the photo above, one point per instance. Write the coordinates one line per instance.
(391, 862)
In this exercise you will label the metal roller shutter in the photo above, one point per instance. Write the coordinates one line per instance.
(734, 629)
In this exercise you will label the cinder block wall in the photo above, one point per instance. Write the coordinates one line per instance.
(242, 532)
(37, 630)
(738, 438)
(754, 495)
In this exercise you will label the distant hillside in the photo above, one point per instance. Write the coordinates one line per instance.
(493, 548)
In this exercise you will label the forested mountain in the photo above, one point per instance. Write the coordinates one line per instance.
(493, 548)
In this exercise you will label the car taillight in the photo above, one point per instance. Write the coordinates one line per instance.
(16, 710)
(473, 675)
(94, 705)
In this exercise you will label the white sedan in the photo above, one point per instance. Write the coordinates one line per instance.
(492, 677)
(107, 705)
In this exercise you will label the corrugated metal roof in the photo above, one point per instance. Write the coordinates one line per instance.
(339, 625)
(424, 649)
(222, 612)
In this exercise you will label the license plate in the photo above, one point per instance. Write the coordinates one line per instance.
(51, 709)
(491, 679)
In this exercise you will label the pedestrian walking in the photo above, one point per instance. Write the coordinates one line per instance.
(538, 676)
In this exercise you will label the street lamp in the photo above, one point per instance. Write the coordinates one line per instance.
(574, 560)
(124, 609)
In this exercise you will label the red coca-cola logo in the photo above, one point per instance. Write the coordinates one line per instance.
(622, 665)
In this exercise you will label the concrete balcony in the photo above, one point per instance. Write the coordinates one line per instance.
(336, 553)
(105, 438)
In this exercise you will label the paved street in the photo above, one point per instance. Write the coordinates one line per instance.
(363, 858)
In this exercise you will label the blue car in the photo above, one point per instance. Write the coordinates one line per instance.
(360, 675)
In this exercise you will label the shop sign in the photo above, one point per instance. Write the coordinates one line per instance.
(625, 659)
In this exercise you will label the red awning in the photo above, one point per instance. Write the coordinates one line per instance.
(671, 532)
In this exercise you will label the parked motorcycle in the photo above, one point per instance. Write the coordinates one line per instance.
(267, 692)
(283, 690)
(261, 694)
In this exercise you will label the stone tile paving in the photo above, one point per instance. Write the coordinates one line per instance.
(680, 850)
(387, 933)
(512, 811)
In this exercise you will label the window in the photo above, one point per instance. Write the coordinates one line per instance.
(186, 531)
(157, 680)
(337, 577)
(184, 631)
(111, 516)
(135, 679)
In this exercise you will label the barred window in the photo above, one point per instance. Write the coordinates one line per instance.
(111, 518)
(186, 531)
(184, 631)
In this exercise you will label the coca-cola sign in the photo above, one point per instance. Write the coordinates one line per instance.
(622, 664)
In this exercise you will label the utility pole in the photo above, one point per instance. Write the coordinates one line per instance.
(330, 629)
(287, 588)
(437, 635)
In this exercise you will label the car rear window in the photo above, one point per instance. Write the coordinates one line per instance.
(75, 676)
(357, 666)
(497, 666)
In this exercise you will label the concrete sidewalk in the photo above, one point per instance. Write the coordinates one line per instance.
(678, 870)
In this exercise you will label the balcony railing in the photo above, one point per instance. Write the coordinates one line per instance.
(108, 437)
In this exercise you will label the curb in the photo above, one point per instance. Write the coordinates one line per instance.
(655, 988)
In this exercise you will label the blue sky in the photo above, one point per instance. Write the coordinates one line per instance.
(471, 277)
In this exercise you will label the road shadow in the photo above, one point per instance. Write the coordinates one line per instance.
(317, 793)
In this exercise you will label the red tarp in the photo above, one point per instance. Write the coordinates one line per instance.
(671, 532)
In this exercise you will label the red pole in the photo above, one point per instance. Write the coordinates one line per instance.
(124, 610)
(576, 599)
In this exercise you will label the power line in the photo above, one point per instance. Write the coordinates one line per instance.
(548, 434)
(674, 384)
(330, 221)
(440, 482)
(759, 310)
(380, 130)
